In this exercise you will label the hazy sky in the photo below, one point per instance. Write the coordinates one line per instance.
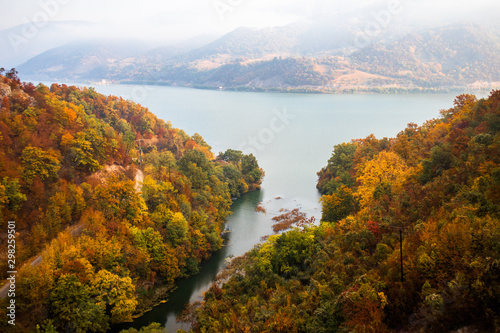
(159, 22)
(166, 19)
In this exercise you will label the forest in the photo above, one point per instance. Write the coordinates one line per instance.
(409, 240)
(111, 204)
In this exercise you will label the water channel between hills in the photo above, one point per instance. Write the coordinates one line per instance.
(292, 136)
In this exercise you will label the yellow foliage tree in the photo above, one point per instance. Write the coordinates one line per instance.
(385, 168)
(116, 294)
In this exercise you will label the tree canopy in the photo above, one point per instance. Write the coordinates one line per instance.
(120, 203)
(437, 186)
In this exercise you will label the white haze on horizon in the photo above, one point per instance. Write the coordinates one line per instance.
(187, 18)
(157, 21)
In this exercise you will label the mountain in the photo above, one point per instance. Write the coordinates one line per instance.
(25, 41)
(461, 52)
(296, 57)
(82, 60)
(293, 40)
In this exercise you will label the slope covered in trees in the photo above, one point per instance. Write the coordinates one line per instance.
(329, 58)
(436, 185)
(71, 162)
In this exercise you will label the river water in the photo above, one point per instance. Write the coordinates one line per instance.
(292, 136)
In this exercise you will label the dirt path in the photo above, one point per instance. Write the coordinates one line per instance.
(139, 179)
(75, 230)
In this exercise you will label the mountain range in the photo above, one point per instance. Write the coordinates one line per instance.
(302, 57)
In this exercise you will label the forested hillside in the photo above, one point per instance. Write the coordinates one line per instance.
(436, 187)
(294, 58)
(118, 203)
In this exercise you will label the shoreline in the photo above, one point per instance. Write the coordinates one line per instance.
(319, 90)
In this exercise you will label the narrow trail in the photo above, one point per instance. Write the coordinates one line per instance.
(75, 230)
(139, 179)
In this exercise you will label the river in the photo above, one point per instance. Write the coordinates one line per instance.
(292, 136)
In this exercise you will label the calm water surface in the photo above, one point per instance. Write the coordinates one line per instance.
(292, 136)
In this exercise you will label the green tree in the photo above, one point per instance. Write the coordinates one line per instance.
(12, 192)
(177, 229)
(336, 173)
(74, 308)
(234, 178)
(163, 258)
(160, 163)
(128, 135)
(39, 163)
(251, 171)
(195, 165)
(156, 192)
(46, 327)
(231, 155)
(338, 205)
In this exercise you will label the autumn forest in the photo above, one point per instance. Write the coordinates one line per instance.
(114, 205)
(428, 198)
(119, 203)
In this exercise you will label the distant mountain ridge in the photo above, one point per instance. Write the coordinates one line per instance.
(82, 59)
(22, 42)
(296, 57)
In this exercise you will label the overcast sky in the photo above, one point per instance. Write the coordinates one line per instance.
(183, 18)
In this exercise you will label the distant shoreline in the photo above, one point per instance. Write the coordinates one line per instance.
(294, 90)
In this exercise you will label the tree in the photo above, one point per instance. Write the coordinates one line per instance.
(74, 308)
(10, 194)
(151, 328)
(231, 155)
(384, 168)
(441, 159)
(195, 165)
(156, 192)
(177, 229)
(128, 135)
(292, 250)
(234, 178)
(251, 171)
(338, 205)
(58, 213)
(12, 74)
(159, 163)
(336, 173)
(39, 163)
(116, 294)
(81, 153)
(163, 258)
(118, 199)
(33, 288)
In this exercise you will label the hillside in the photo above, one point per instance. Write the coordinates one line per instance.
(118, 203)
(409, 240)
(23, 42)
(460, 53)
(82, 60)
(296, 57)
